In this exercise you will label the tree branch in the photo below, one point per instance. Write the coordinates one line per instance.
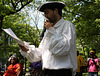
(13, 12)
(13, 4)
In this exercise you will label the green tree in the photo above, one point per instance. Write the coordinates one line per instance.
(8, 7)
(87, 27)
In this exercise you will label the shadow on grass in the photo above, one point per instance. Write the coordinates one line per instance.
(85, 74)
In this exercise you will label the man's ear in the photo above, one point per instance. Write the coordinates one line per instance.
(56, 10)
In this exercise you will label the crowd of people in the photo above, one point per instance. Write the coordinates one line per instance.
(15, 67)
(56, 54)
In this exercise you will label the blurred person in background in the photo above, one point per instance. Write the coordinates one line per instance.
(36, 69)
(21, 62)
(80, 62)
(14, 68)
(93, 64)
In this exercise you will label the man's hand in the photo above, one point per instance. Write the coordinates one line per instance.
(23, 48)
(47, 24)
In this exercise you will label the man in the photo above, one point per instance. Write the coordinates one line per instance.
(57, 49)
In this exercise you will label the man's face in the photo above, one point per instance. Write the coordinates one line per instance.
(50, 14)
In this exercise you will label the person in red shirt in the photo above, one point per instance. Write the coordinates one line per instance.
(14, 68)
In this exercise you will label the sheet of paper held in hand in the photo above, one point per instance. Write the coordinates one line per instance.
(11, 33)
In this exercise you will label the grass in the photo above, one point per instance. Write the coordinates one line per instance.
(86, 74)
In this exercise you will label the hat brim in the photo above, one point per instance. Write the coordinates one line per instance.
(59, 5)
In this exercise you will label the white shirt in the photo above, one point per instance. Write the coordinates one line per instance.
(57, 49)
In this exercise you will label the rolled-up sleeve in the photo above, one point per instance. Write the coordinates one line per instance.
(60, 43)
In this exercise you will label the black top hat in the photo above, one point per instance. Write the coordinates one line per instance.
(53, 4)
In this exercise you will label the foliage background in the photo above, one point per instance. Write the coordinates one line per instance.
(14, 14)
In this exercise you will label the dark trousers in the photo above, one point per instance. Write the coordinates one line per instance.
(93, 73)
(37, 72)
(78, 74)
(61, 72)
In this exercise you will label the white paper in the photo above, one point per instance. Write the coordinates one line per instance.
(11, 33)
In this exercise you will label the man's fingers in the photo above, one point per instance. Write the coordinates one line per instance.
(23, 47)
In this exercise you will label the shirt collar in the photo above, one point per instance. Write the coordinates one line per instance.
(59, 22)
